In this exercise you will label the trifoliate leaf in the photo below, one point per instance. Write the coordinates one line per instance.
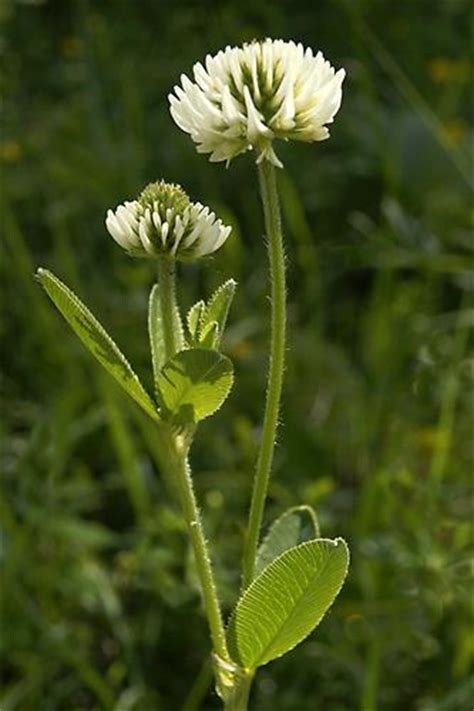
(296, 525)
(194, 384)
(286, 602)
(96, 339)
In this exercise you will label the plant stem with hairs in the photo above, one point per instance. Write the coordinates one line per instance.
(271, 209)
(178, 449)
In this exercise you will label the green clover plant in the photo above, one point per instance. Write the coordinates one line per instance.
(242, 99)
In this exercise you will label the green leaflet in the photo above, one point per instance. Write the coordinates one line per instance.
(194, 384)
(286, 602)
(96, 339)
(210, 335)
(218, 306)
(294, 526)
(206, 322)
(194, 320)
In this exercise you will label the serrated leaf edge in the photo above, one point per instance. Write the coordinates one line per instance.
(231, 285)
(198, 306)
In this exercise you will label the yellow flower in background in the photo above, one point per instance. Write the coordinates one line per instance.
(245, 97)
(164, 222)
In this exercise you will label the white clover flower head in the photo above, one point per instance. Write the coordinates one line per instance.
(245, 97)
(164, 222)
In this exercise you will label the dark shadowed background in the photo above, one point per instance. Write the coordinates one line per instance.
(99, 602)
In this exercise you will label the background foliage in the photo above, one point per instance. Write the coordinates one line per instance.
(99, 601)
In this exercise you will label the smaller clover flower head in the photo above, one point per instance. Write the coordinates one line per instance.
(245, 97)
(164, 222)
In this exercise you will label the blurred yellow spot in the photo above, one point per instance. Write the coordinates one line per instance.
(354, 617)
(10, 151)
(242, 349)
(454, 130)
(315, 491)
(214, 499)
(442, 70)
(431, 437)
(70, 47)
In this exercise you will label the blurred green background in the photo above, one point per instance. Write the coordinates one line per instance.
(99, 602)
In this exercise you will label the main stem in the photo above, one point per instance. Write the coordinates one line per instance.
(239, 696)
(178, 458)
(271, 209)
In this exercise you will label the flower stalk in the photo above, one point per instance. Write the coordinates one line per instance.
(271, 209)
(167, 286)
(182, 471)
(178, 449)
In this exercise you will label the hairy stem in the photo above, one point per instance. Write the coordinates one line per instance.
(271, 208)
(177, 446)
(167, 285)
(192, 517)
(239, 696)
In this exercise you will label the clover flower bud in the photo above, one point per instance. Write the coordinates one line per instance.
(245, 97)
(164, 222)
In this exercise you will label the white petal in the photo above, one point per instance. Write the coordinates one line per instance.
(116, 231)
(255, 126)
